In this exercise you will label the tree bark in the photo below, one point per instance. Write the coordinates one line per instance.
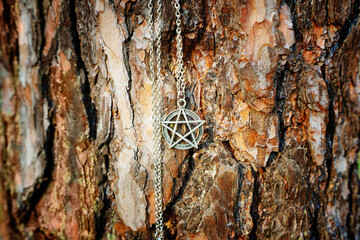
(278, 83)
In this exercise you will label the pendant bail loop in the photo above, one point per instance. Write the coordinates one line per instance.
(181, 103)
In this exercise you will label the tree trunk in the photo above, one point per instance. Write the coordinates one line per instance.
(278, 83)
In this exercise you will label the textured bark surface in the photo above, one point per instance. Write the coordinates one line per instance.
(278, 83)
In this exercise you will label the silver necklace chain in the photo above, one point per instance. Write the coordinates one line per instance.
(156, 83)
(180, 85)
(168, 125)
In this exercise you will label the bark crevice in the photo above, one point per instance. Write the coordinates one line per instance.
(126, 55)
(237, 214)
(279, 106)
(254, 208)
(314, 206)
(345, 30)
(314, 232)
(350, 233)
(330, 128)
(82, 73)
(103, 215)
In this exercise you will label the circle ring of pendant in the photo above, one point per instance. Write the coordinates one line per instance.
(193, 124)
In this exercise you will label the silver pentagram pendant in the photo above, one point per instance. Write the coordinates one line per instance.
(182, 129)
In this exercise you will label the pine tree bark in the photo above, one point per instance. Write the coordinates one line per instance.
(278, 83)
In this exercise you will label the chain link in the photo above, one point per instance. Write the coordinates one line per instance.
(180, 84)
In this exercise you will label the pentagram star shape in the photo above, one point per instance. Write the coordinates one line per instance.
(186, 119)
